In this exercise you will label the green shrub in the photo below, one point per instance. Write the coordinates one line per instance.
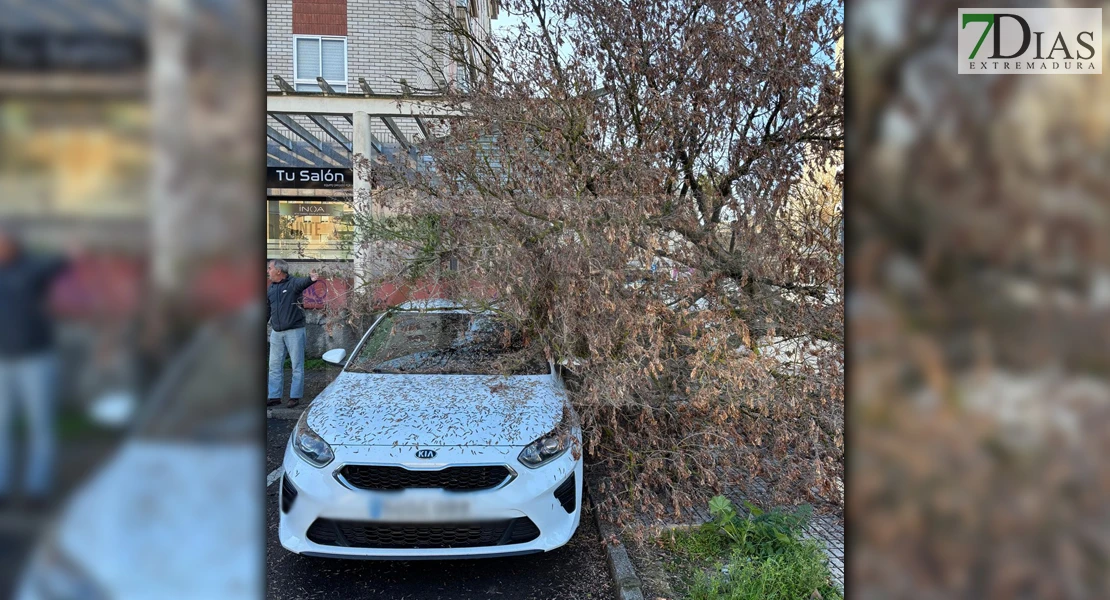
(794, 573)
(310, 364)
(760, 534)
(701, 544)
(767, 558)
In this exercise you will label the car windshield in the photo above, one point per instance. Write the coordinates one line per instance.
(455, 343)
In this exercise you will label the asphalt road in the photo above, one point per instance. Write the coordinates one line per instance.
(575, 571)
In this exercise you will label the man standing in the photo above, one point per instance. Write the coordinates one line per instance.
(285, 312)
(27, 361)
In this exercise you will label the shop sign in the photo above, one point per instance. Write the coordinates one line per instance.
(318, 209)
(309, 177)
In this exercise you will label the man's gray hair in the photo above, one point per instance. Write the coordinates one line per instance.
(281, 265)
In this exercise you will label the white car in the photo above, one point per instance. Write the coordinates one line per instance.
(154, 521)
(446, 435)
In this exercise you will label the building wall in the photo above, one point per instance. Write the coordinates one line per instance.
(279, 41)
(322, 335)
(384, 43)
(320, 17)
(387, 40)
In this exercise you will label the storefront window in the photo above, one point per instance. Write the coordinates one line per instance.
(309, 229)
(66, 159)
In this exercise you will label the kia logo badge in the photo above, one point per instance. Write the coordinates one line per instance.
(425, 454)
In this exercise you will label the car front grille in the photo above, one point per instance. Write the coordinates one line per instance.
(565, 494)
(288, 494)
(363, 534)
(455, 479)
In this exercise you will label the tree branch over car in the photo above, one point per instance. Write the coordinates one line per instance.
(652, 188)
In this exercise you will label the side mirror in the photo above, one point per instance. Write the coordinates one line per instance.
(114, 410)
(335, 356)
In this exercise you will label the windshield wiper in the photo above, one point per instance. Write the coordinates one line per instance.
(451, 352)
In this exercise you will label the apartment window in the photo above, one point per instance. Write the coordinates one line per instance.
(319, 56)
(462, 77)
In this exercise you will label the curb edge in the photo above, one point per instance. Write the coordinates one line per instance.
(290, 414)
(626, 583)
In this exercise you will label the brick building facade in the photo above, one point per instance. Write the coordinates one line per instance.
(383, 42)
(386, 40)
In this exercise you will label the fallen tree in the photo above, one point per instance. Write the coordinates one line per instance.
(652, 190)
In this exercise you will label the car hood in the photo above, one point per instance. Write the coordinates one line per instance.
(362, 409)
(160, 521)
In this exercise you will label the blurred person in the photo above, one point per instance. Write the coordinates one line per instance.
(170, 514)
(143, 120)
(27, 362)
(287, 321)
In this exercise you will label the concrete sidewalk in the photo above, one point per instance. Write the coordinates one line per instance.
(315, 380)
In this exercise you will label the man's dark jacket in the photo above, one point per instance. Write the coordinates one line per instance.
(25, 325)
(285, 310)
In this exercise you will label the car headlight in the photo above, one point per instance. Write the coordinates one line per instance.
(547, 448)
(310, 446)
(54, 575)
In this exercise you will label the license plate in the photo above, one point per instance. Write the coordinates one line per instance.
(388, 509)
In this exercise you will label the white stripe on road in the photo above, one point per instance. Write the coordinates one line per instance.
(273, 476)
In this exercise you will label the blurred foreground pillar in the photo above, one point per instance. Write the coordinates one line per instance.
(169, 87)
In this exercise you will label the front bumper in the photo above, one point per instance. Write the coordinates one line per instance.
(528, 495)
